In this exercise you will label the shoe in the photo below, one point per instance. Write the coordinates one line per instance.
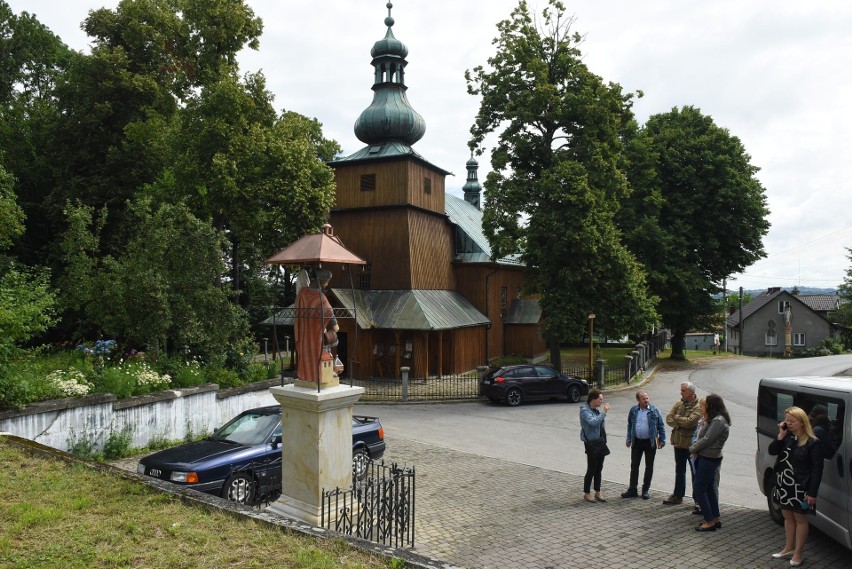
(645, 495)
(702, 527)
(697, 511)
(673, 500)
(599, 497)
(630, 494)
(783, 555)
(589, 498)
(795, 563)
(718, 525)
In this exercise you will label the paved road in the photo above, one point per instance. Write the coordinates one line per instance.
(502, 488)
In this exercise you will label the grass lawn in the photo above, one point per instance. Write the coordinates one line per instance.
(58, 514)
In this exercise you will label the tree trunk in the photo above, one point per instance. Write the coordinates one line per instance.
(555, 354)
(678, 343)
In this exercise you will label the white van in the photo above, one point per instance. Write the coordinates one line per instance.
(831, 399)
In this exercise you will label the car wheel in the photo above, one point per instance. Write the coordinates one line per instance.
(514, 397)
(360, 463)
(240, 488)
(573, 394)
(774, 506)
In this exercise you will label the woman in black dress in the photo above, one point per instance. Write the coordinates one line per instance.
(798, 472)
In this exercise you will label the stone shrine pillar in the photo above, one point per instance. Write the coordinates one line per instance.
(317, 446)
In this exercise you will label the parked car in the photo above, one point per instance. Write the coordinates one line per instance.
(241, 461)
(515, 384)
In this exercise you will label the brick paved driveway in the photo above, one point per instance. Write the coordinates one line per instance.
(484, 513)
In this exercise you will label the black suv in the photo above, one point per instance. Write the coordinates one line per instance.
(515, 384)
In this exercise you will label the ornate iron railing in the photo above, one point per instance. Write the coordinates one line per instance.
(379, 508)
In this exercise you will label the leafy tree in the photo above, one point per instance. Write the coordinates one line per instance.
(26, 299)
(843, 315)
(557, 176)
(31, 60)
(153, 294)
(697, 215)
(262, 179)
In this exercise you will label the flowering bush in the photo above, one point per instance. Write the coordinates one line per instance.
(102, 348)
(132, 378)
(69, 383)
(150, 380)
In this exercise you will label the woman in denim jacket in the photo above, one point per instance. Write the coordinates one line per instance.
(591, 428)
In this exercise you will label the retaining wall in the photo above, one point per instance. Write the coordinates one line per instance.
(172, 415)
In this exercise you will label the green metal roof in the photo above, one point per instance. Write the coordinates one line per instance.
(471, 244)
(411, 309)
(398, 310)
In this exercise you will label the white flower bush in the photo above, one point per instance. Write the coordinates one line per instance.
(146, 377)
(69, 383)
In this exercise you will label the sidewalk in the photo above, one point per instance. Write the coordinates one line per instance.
(483, 513)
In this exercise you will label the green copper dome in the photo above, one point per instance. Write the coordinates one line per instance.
(389, 118)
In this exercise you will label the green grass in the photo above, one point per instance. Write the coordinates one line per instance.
(56, 514)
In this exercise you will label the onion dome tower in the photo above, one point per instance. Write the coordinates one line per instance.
(390, 117)
(471, 187)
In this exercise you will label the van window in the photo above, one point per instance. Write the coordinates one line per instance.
(826, 413)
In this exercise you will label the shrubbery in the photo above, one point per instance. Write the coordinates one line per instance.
(39, 374)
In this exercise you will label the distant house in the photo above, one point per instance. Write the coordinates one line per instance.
(822, 303)
(762, 330)
(701, 341)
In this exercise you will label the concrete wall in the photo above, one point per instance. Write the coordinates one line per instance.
(169, 415)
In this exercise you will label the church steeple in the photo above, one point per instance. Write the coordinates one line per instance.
(471, 187)
(389, 118)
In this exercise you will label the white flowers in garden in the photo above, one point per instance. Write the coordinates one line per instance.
(69, 383)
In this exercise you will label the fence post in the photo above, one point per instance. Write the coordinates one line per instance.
(628, 368)
(600, 370)
(404, 372)
(480, 374)
(637, 357)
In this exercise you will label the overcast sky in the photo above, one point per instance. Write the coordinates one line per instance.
(776, 74)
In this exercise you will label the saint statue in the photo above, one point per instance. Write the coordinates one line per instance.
(315, 325)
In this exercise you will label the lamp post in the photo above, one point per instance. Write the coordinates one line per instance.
(591, 345)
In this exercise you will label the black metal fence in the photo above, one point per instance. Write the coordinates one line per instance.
(464, 386)
(379, 508)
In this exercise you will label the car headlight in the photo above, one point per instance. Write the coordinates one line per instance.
(187, 477)
(140, 468)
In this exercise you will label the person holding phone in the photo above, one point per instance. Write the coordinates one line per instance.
(798, 473)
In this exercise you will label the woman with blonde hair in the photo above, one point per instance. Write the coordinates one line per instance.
(798, 472)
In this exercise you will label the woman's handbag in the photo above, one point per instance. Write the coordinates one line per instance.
(597, 447)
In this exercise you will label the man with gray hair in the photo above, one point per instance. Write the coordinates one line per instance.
(682, 419)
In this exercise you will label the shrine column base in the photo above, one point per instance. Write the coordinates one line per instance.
(317, 447)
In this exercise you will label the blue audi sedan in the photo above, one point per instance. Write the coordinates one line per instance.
(241, 461)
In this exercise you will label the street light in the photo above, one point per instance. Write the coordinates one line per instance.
(591, 345)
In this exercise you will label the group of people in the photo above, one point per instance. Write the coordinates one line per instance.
(699, 430)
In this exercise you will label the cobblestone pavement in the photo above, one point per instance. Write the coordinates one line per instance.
(483, 513)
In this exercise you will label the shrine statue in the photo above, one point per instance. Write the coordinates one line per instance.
(315, 325)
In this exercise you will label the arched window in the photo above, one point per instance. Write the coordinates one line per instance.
(771, 334)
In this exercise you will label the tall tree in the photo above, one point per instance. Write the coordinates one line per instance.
(32, 59)
(261, 178)
(843, 315)
(557, 180)
(697, 215)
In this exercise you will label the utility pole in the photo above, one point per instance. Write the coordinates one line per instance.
(741, 320)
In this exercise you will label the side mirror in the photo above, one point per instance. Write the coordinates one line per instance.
(276, 440)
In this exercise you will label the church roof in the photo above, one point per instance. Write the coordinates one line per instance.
(411, 309)
(471, 244)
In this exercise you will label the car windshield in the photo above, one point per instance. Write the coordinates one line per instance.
(248, 428)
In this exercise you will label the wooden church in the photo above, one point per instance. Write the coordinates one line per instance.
(430, 298)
